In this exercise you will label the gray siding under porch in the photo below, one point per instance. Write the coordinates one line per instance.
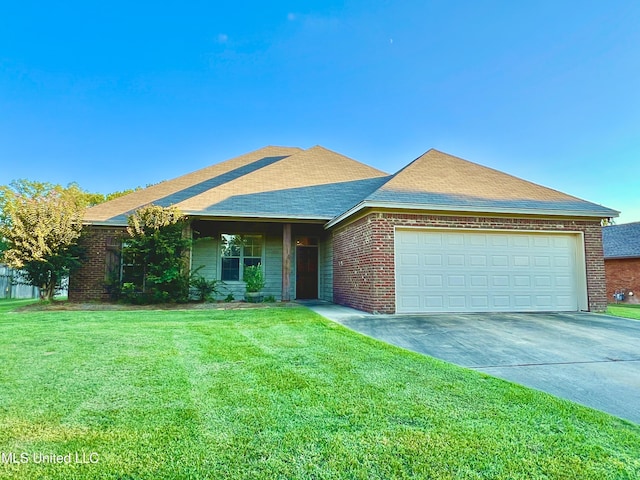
(206, 254)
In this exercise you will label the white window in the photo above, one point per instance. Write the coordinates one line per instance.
(237, 252)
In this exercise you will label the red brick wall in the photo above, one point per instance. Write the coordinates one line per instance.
(88, 283)
(353, 269)
(623, 274)
(363, 254)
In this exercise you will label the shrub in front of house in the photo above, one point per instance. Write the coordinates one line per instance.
(253, 276)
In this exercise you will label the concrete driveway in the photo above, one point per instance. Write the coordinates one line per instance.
(588, 358)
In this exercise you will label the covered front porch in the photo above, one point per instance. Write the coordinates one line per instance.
(296, 258)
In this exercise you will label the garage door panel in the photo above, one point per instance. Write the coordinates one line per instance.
(410, 238)
(410, 302)
(410, 280)
(522, 301)
(433, 281)
(457, 301)
(480, 271)
(497, 240)
(409, 259)
(564, 281)
(540, 261)
(478, 260)
(541, 241)
(499, 261)
(454, 239)
(479, 301)
(434, 301)
(433, 259)
(540, 281)
(564, 300)
(501, 301)
(455, 260)
(435, 239)
(519, 241)
(562, 241)
(476, 240)
(521, 261)
(455, 281)
(544, 301)
(479, 280)
(500, 280)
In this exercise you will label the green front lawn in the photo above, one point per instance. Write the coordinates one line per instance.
(7, 305)
(274, 393)
(626, 311)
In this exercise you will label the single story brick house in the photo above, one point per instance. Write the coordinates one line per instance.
(441, 235)
(622, 261)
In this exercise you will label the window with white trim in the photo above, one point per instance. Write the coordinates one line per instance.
(237, 252)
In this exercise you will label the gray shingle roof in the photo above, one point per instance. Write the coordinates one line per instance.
(460, 202)
(319, 184)
(303, 171)
(274, 182)
(115, 211)
(621, 241)
(314, 202)
(440, 181)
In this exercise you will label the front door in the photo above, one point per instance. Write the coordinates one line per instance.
(306, 271)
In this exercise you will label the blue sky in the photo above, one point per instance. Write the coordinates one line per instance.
(114, 95)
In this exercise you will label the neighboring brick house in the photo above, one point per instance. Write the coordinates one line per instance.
(441, 235)
(622, 261)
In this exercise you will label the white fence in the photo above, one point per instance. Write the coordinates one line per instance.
(12, 287)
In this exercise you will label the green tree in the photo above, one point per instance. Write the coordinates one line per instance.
(40, 224)
(120, 193)
(35, 189)
(157, 245)
(89, 199)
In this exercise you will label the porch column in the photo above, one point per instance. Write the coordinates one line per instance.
(286, 261)
(187, 233)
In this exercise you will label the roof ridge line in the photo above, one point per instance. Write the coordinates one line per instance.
(394, 175)
(500, 172)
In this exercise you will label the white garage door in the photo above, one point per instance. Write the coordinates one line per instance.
(471, 271)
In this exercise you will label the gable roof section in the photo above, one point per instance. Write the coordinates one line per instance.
(437, 181)
(273, 182)
(298, 178)
(173, 191)
(319, 184)
(621, 241)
